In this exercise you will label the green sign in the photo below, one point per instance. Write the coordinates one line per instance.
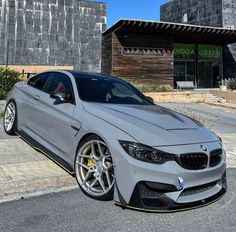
(209, 52)
(184, 51)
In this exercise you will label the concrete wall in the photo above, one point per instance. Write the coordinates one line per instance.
(52, 32)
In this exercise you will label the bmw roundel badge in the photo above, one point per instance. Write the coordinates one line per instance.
(203, 148)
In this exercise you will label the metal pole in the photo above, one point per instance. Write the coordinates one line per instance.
(7, 53)
(222, 63)
(196, 67)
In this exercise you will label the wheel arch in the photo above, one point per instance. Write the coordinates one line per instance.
(85, 136)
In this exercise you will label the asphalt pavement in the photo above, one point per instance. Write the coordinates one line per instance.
(216, 118)
(73, 211)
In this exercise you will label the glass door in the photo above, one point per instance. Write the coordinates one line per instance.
(209, 75)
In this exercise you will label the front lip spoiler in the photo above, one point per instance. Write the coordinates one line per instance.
(177, 207)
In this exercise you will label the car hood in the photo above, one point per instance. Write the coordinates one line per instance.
(151, 124)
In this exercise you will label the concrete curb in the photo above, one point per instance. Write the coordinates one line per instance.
(224, 105)
(38, 193)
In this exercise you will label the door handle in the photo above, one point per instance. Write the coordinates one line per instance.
(37, 97)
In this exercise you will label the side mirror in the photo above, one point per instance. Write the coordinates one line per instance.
(150, 99)
(61, 96)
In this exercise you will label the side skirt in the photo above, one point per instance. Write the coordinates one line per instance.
(52, 156)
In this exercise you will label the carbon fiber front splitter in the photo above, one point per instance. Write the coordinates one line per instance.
(146, 199)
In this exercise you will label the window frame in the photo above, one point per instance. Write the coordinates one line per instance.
(50, 74)
(72, 87)
(120, 81)
(36, 76)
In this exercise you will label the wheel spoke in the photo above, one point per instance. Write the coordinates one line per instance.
(8, 111)
(83, 165)
(108, 178)
(11, 108)
(85, 156)
(94, 151)
(92, 184)
(100, 149)
(88, 175)
(100, 180)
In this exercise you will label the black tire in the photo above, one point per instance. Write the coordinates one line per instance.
(106, 196)
(13, 129)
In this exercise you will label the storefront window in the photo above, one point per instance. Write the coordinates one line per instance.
(209, 64)
(184, 64)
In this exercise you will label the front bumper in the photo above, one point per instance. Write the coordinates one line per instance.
(155, 187)
(149, 199)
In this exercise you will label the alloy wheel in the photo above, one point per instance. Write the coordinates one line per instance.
(9, 117)
(94, 168)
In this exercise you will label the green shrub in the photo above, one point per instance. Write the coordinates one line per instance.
(1, 114)
(232, 84)
(8, 78)
(154, 88)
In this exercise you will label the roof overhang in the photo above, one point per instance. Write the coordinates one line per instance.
(180, 33)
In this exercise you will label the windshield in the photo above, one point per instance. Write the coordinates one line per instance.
(109, 90)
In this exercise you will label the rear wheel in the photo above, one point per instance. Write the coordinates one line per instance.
(9, 120)
(94, 169)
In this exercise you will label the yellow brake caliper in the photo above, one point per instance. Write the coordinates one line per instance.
(90, 163)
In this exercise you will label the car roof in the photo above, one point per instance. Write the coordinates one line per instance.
(78, 74)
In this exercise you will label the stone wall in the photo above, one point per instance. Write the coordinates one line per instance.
(52, 32)
(199, 12)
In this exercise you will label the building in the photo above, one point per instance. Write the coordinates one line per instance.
(146, 52)
(52, 33)
(215, 13)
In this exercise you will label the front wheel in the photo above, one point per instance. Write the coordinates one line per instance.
(9, 120)
(94, 169)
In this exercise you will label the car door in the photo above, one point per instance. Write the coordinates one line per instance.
(55, 122)
(29, 105)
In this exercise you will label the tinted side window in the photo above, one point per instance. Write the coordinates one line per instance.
(58, 82)
(38, 81)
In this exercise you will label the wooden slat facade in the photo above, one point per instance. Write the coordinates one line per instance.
(136, 68)
(145, 68)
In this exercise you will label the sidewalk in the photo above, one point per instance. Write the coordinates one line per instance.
(24, 171)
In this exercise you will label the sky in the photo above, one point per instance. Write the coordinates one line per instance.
(136, 9)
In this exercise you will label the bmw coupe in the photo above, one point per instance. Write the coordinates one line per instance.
(116, 142)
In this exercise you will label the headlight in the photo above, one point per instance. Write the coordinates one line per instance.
(146, 153)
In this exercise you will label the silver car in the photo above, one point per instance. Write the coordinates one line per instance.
(117, 142)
